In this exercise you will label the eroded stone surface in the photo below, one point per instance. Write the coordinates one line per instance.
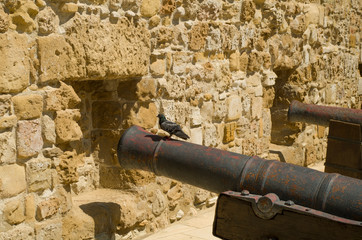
(12, 180)
(29, 138)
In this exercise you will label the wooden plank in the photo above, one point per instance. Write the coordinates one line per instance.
(235, 220)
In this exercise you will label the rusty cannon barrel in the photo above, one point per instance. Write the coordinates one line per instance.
(217, 170)
(321, 115)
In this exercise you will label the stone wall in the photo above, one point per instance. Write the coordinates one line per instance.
(74, 74)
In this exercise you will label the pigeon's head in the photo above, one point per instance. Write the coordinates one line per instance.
(161, 116)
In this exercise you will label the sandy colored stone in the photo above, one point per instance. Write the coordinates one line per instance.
(234, 61)
(12, 180)
(154, 21)
(30, 207)
(141, 114)
(159, 204)
(66, 125)
(5, 104)
(47, 208)
(150, 8)
(106, 114)
(50, 229)
(7, 148)
(77, 219)
(14, 212)
(247, 10)
(234, 108)
(14, 63)
(62, 98)
(67, 167)
(158, 67)
(4, 21)
(38, 174)
(146, 89)
(69, 7)
(29, 138)
(28, 106)
(229, 132)
(175, 193)
(23, 232)
(47, 21)
(8, 122)
(48, 128)
(197, 36)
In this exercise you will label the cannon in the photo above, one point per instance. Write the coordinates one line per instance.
(321, 115)
(259, 198)
(344, 153)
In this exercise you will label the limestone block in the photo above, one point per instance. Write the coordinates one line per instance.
(201, 196)
(158, 67)
(48, 127)
(220, 110)
(146, 89)
(69, 8)
(195, 117)
(230, 37)
(247, 10)
(181, 61)
(51, 229)
(197, 36)
(244, 61)
(47, 21)
(28, 106)
(23, 232)
(331, 93)
(150, 8)
(298, 25)
(77, 219)
(234, 61)
(213, 40)
(66, 166)
(196, 135)
(209, 10)
(255, 61)
(141, 114)
(257, 107)
(38, 174)
(30, 207)
(7, 148)
(14, 212)
(47, 208)
(159, 204)
(206, 110)
(175, 193)
(269, 78)
(168, 6)
(66, 126)
(4, 21)
(23, 21)
(312, 13)
(12, 180)
(229, 132)
(230, 10)
(154, 21)
(14, 63)
(132, 210)
(106, 114)
(165, 35)
(234, 108)
(29, 139)
(5, 104)
(210, 135)
(7, 122)
(61, 98)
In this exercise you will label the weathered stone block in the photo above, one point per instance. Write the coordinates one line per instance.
(195, 117)
(234, 108)
(47, 208)
(23, 232)
(150, 8)
(69, 7)
(29, 139)
(51, 229)
(159, 204)
(104, 145)
(7, 122)
(175, 193)
(38, 174)
(61, 98)
(181, 61)
(47, 21)
(14, 212)
(28, 106)
(14, 63)
(158, 67)
(234, 61)
(247, 10)
(5, 104)
(197, 36)
(196, 135)
(12, 180)
(7, 148)
(48, 126)
(229, 132)
(4, 21)
(77, 219)
(66, 166)
(146, 89)
(30, 208)
(141, 114)
(66, 126)
(210, 135)
(257, 107)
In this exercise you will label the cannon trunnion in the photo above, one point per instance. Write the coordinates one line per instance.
(338, 196)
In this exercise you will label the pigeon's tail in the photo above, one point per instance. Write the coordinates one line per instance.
(182, 135)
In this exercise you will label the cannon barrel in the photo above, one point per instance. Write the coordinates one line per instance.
(217, 170)
(321, 115)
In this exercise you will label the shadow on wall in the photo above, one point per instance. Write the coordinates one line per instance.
(106, 216)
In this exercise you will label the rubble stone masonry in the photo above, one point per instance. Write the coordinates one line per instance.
(74, 74)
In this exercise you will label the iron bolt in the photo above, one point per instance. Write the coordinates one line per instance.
(244, 193)
(289, 203)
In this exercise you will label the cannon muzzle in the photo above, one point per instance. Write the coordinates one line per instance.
(321, 115)
(217, 170)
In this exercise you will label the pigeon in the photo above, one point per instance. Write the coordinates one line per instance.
(171, 127)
